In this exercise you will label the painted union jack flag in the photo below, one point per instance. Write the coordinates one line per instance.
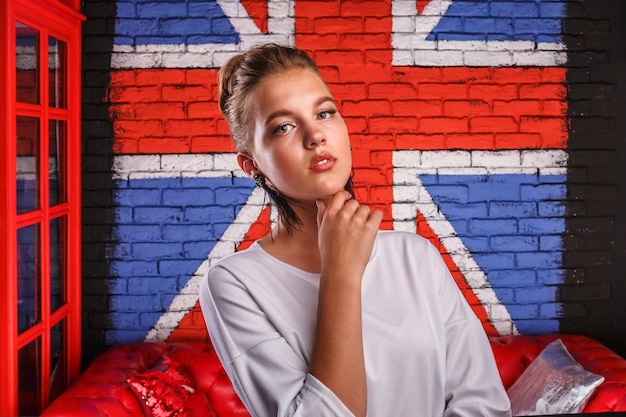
(457, 113)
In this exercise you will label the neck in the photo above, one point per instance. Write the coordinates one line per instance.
(304, 234)
(299, 248)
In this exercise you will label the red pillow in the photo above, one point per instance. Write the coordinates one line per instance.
(168, 390)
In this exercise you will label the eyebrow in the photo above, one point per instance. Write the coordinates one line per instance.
(282, 112)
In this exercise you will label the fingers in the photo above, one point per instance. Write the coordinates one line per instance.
(346, 231)
(342, 205)
(321, 209)
(336, 202)
(376, 217)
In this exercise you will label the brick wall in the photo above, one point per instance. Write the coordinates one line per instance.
(595, 242)
(462, 118)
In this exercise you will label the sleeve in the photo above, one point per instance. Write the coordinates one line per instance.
(473, 384)
(268, 375)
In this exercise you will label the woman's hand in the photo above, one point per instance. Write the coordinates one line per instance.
(346, 234)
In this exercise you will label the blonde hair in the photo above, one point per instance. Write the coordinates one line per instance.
(242, 73)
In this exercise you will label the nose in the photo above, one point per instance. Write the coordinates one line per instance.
(314, 136)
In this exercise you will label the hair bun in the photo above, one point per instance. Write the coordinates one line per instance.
(227, 81)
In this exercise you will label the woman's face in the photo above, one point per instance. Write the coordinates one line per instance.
(300, 141)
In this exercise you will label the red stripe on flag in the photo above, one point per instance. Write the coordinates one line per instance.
(158, 111)
(257, 10)
(191, 327)
(421, 4)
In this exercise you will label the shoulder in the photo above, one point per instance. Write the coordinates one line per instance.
(408, 252)
(229, 280)
(254, 270)
(243, 263)
(397, 240)
(251, 254)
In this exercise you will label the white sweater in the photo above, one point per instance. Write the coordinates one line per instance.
(426, 353)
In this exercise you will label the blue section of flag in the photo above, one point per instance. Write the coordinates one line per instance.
(172, 23)
(512, 225)
(501, 20)
(168, 227)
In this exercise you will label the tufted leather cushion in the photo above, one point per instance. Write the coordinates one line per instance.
(102, 391)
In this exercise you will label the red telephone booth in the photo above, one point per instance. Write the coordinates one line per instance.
(40, 289)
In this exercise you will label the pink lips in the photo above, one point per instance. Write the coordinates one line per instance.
(322, 162)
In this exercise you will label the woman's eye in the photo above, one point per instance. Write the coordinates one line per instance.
(284, 128)
(326, 114)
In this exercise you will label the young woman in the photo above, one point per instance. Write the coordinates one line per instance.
(327, 315)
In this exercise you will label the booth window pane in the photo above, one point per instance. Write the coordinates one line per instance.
(58, 362)
(57, 263)
(27, 63)
(27, 163)
(56, 161)
(28, 277)
(29, 379)
(57, 73)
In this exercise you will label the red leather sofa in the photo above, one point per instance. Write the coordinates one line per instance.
(102, 390)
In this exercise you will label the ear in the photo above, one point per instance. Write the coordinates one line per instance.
(247, 164)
